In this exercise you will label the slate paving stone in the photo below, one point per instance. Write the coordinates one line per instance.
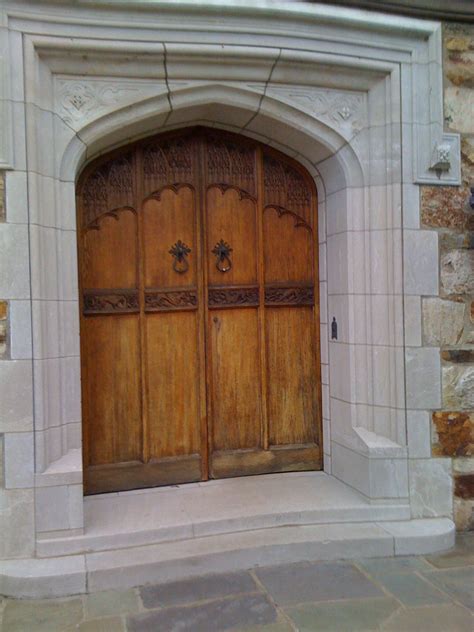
(110, 603)
(323, 581)
(106, 624)
(431, 619)
(197, 589)
(411, 589)
(42, 616)
(343, 616)
(458, 583)
(213, 616)
(279, 626)
(461, 555)
(377, 566)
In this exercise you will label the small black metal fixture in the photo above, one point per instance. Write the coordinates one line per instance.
(222, 252)
(179, 251)
(334, 329)
(471, 199)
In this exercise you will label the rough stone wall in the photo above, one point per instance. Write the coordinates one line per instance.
(3, 304)
(448, 321)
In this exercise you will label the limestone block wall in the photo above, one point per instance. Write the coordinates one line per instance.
(448, 320)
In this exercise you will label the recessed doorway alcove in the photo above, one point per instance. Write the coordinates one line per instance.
(331, 94)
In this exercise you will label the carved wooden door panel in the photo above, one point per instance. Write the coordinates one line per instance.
(199, 313)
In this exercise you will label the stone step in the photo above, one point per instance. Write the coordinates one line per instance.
(215, 508)
(169, 561)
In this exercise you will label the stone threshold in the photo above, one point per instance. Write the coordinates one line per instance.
(180, 512)
(172, 533)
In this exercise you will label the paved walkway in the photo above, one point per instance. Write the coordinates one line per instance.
(424, 593)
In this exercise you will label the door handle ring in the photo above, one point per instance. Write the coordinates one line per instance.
(222, 252)
(179, 251)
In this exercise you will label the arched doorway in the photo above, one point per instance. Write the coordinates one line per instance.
(199, 312)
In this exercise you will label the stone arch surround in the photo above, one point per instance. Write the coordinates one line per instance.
(339, 177)
(352, 119)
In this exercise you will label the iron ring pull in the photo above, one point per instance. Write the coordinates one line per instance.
(222, 252)
(179, 251)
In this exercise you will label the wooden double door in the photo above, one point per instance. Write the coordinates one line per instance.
(199, 312)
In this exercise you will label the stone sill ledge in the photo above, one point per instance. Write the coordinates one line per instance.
(65, 471)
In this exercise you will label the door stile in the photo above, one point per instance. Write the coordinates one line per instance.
(261, 307)
(141, 294)
(201, 241)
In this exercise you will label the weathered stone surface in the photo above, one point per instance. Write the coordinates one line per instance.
(411, 589)
(2, 196)
(457, 43)
(458, 386)
(16, 523)
(460, 69)
(297, 583)
(457, 272)
(451, 240)
(225, 614)
(111, 602)
(3, 328)
(458, 108)
(2, 464)
(431, 487)
(464, 486)
(198, 589)
(343, 615)
(454, 432)
(443, 321)
(461, 555)
(464, 514)
(107, 624)
(446, 207)
(458, 355)
(42, 616)
(458, 583)
(436, 618)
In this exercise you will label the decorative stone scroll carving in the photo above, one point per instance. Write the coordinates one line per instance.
(170, 300)
(233, 297)
(109, 188)
(77, 102)
(291, 295)
(344, 111)
(110, 302)
(231, 163)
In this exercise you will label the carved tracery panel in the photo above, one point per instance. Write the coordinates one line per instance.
(109, 188)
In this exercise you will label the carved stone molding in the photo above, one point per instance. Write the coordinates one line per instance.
(289, 296)
(81, 101)
(233, 297)
(346, 111)
(170, 300)
(110, 302)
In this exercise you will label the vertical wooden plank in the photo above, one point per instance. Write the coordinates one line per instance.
(202, 283)
(235, 366)
(141, 292)
(171, 327)
(112, 388)
(261, 308)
